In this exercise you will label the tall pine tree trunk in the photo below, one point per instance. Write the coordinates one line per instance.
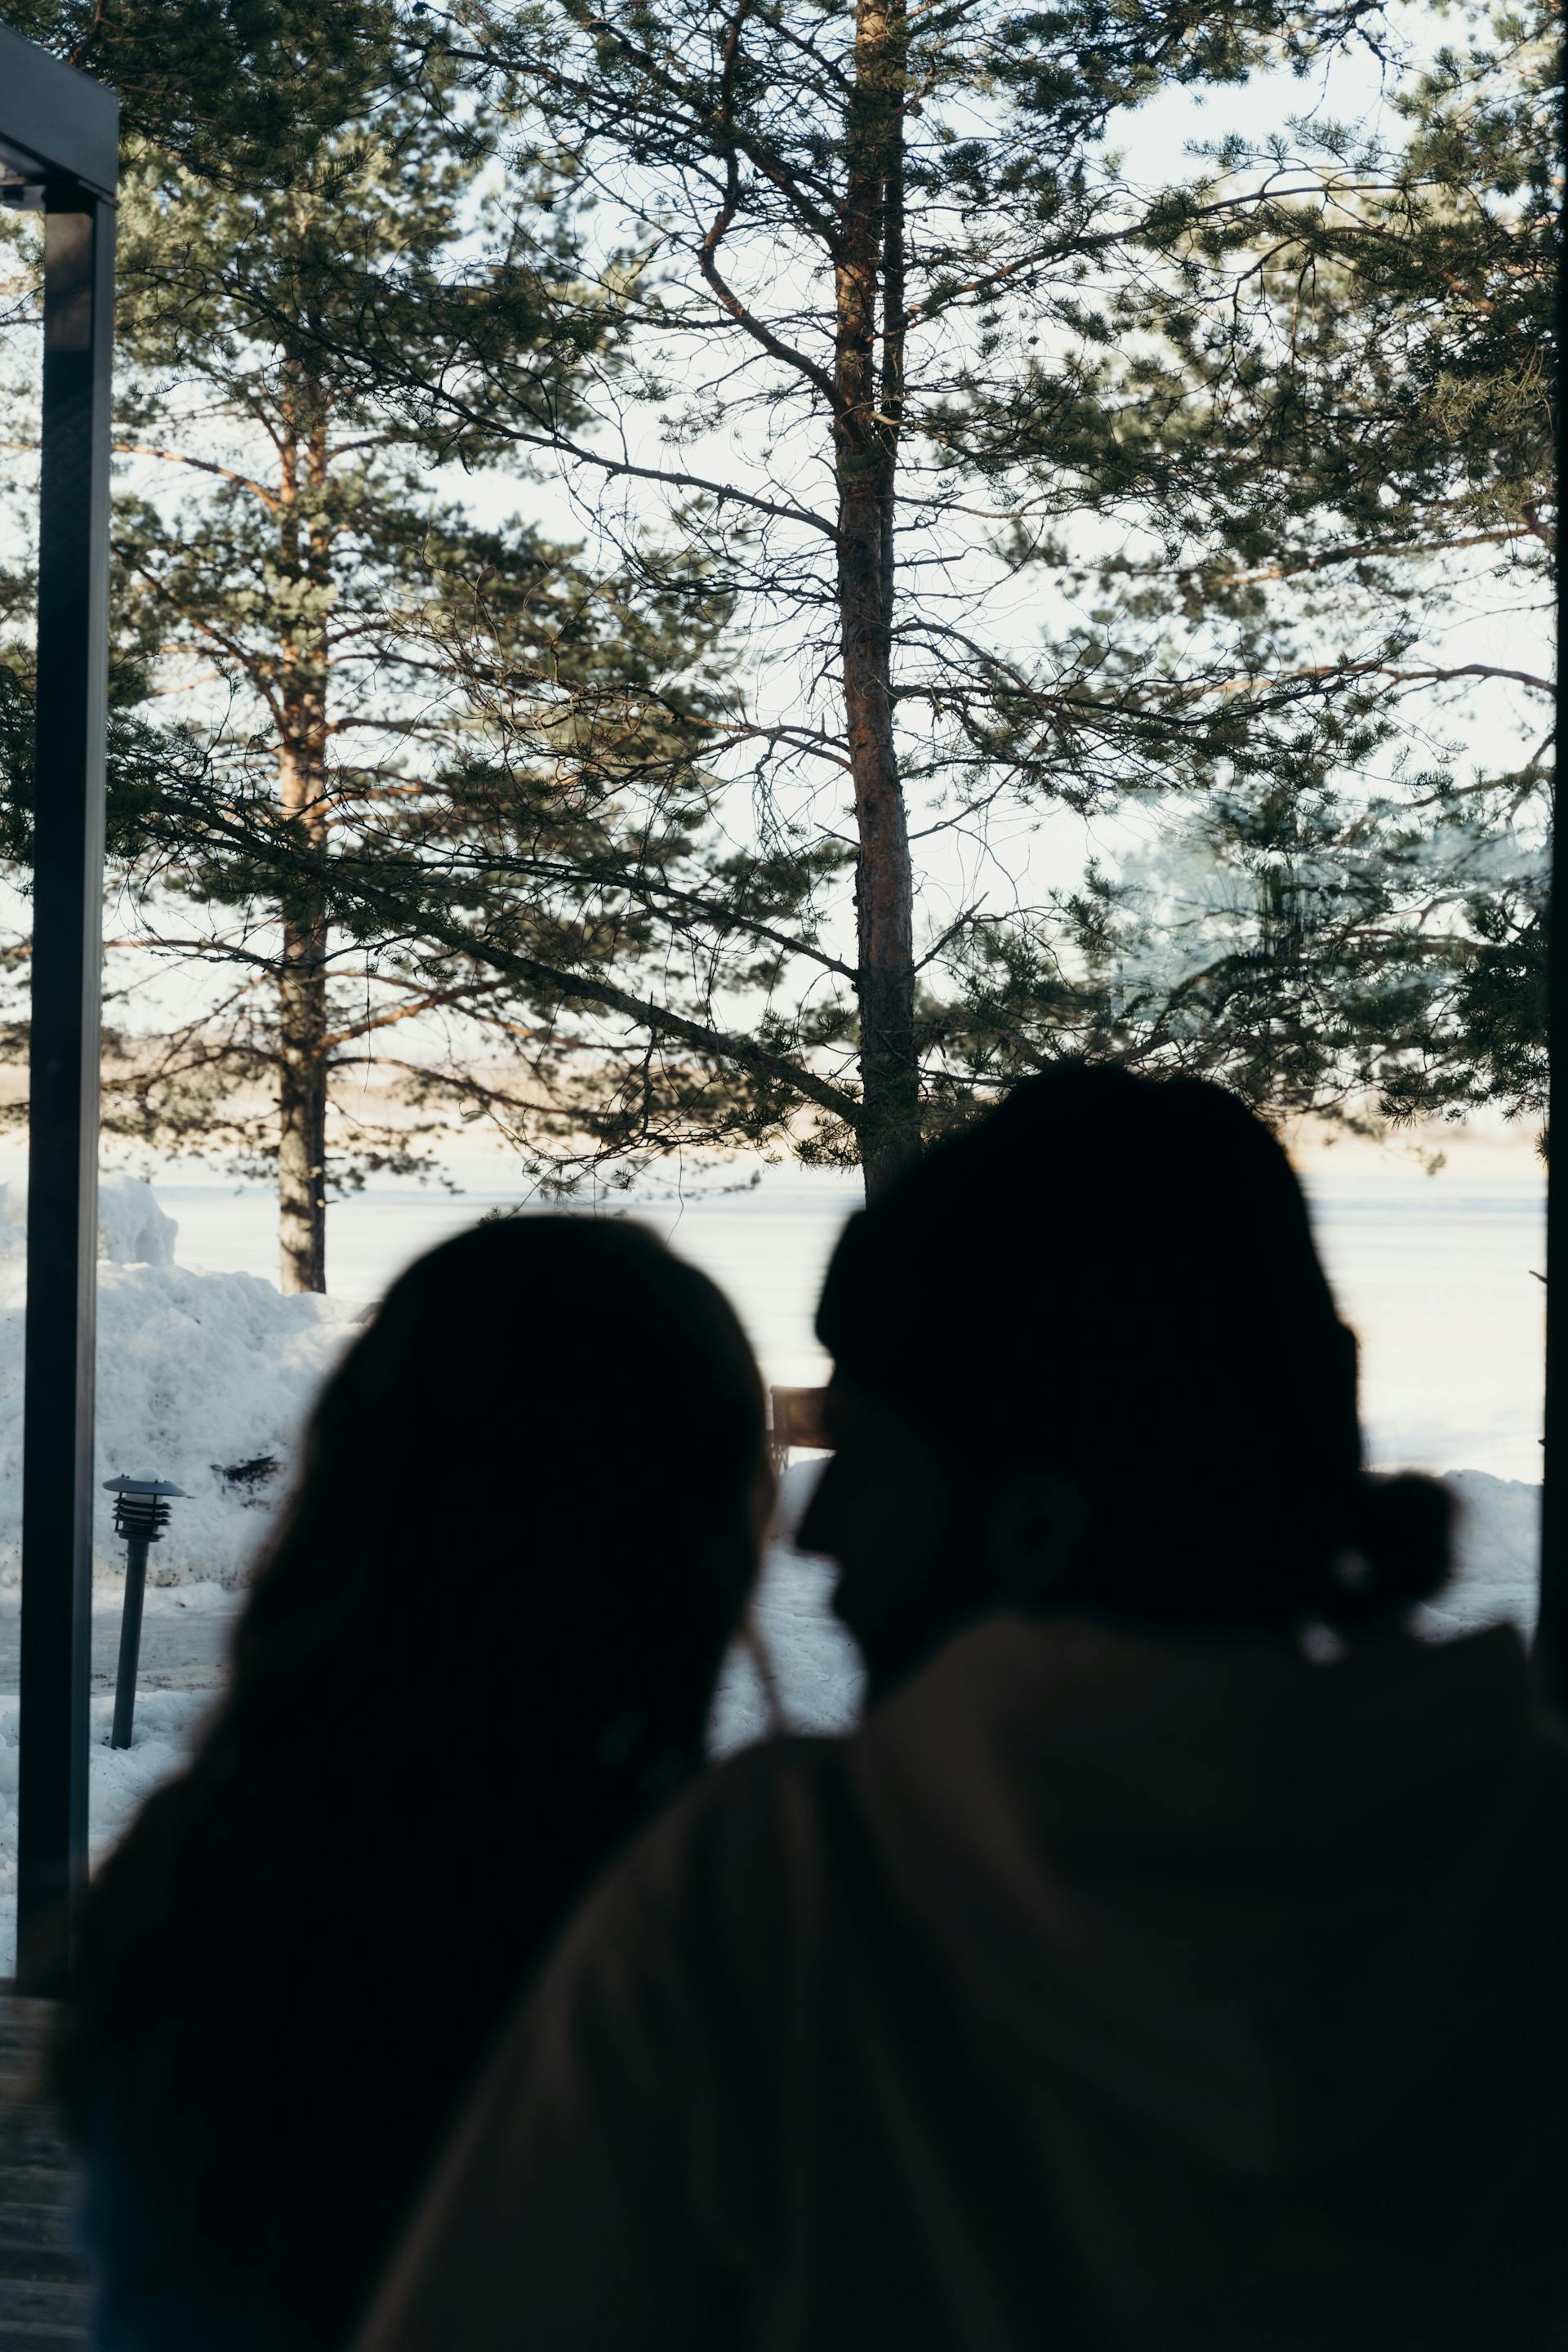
(302, 1068)
(301, 784)
(866, 454)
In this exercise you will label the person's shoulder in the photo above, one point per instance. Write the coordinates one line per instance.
(787, 1770)
(753, 1821)
(718, 1882)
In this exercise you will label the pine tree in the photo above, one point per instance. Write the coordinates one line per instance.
(898, 247)
(1382, 398)
(1032, 491)
(301, 592)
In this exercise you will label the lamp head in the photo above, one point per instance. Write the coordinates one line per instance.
(141, 1506)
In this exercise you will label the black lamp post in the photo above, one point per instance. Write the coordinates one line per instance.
(141, 1515)
(59, 137)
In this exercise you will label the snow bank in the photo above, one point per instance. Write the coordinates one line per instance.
(118, 1780)
(197, 1374)
(1498, 1554)
(133, 1230)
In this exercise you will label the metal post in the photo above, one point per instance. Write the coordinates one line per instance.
(141, 1515)
(130, 1641)
(62, 1156)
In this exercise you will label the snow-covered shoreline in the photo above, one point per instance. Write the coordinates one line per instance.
(198, 1374)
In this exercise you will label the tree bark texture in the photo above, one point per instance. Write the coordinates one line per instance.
(302, 978)
(868, 389)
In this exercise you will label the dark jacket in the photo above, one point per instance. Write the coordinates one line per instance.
(1104, 1990)
(143, 2299)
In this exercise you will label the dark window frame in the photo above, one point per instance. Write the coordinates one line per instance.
(59, 143)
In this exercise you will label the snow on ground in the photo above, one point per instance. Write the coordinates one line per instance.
(812, 1663)
(197, 1373)
(1497, 1555)
(119, 1778)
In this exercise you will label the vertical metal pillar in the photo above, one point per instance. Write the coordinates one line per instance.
(57, 1491)
(1551, 1629)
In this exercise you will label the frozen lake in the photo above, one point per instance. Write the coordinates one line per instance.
(1438, 1274)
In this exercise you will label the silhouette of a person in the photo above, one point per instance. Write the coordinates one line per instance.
(1176, 1959)
(480, 1652)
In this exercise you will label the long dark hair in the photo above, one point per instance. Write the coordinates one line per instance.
(1114, 1276)
(481, 1647)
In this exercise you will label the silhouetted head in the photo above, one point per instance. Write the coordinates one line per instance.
(1084, 1357)
(481, 1648)
(539, 1476)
